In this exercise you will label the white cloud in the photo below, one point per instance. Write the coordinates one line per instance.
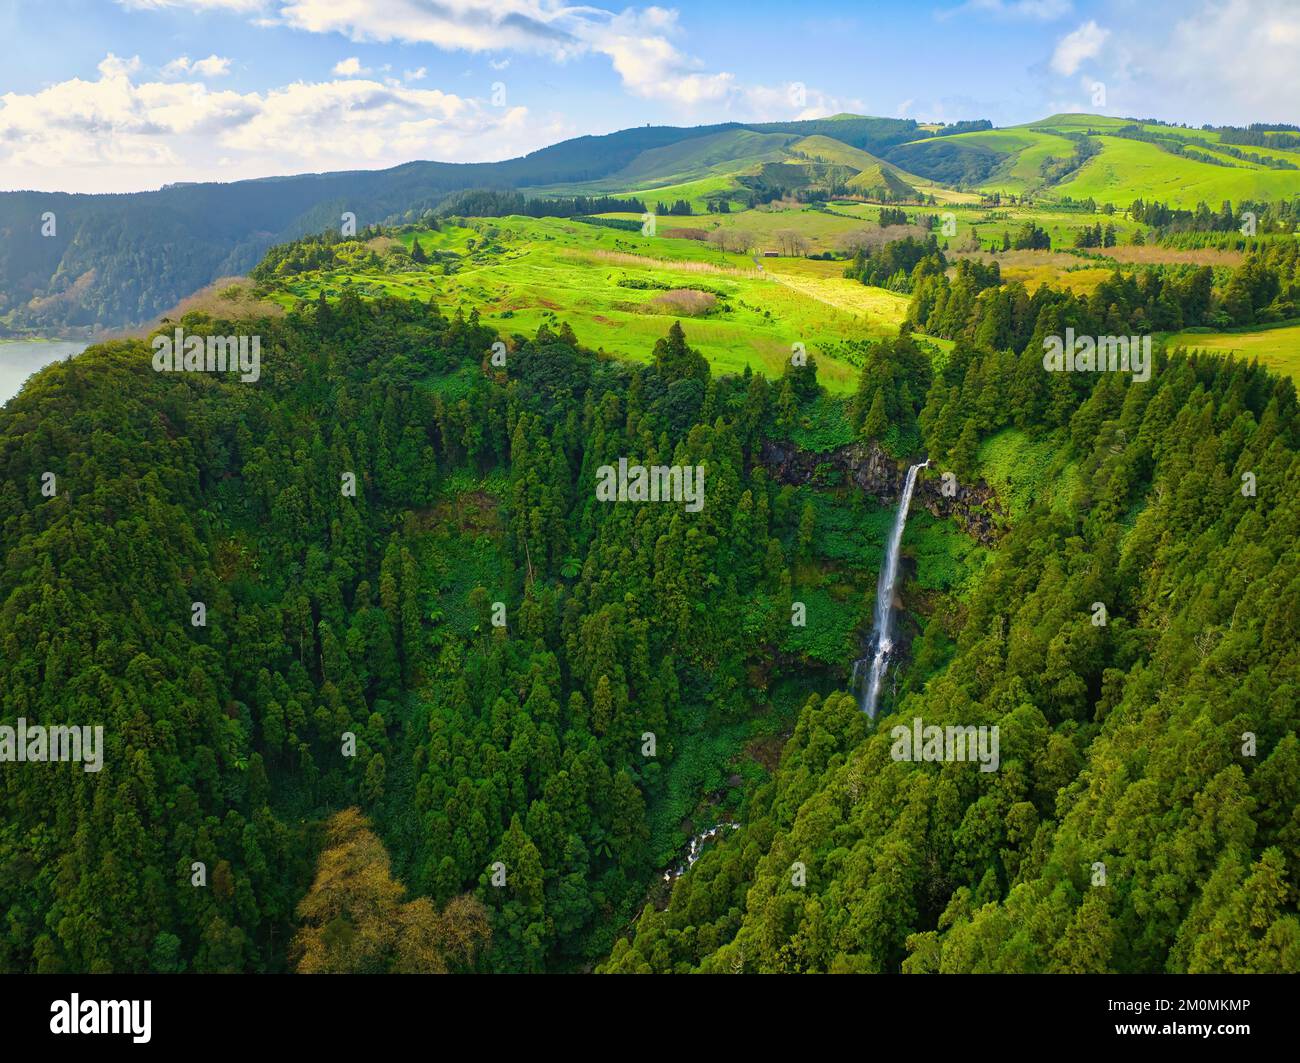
(114, 135)
(1222, 61)
(651, 67)
(462, 25)
(1078, 46)
(415, 75)
(1278, 31)
(113, 67)
(789, 102)
(638, 42)
(1238, 57)
(349, 67)
(211, 67)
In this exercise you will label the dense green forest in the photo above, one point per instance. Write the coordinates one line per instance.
(1146, 814)
(332, 618)
(455, 718)
(1264, 289)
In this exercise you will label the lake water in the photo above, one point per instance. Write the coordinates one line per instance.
(19, 359)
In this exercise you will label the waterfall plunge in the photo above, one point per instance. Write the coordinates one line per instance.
(882, 641)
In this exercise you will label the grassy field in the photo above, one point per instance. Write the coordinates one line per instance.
(696, 190)
(1192, 136)
(990, 223)
(1277, 347)
(1036, 268)
(824, 232)
(1126, 170)
(614, 288)
(1079, 123)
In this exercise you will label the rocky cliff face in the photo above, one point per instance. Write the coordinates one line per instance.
(874, 472)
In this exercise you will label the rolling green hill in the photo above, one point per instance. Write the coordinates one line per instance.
(828, 149)
(996, 160)
(717, 153)
(708, 162)
(1036, 158)
(875, 178)
(704, 167)
(121, 260)
(1076, 122)
(1126, 170)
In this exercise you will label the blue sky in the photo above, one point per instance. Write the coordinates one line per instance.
(119, 95)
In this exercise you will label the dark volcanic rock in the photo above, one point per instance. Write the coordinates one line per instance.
(875, 473)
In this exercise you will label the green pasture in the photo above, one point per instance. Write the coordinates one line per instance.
(1126, 170)
(1276, 346)
(610, 285)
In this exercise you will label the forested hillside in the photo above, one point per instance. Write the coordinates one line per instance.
(460, 717)
(1145, 816)
(334, 620)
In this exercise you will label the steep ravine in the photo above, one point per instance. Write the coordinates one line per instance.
(975, 506)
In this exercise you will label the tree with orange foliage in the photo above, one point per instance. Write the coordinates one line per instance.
(356, 921)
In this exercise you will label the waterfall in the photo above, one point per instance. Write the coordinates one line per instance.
(882, 643)
(696, 848)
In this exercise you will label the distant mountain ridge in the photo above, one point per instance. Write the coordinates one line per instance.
(119, 260)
